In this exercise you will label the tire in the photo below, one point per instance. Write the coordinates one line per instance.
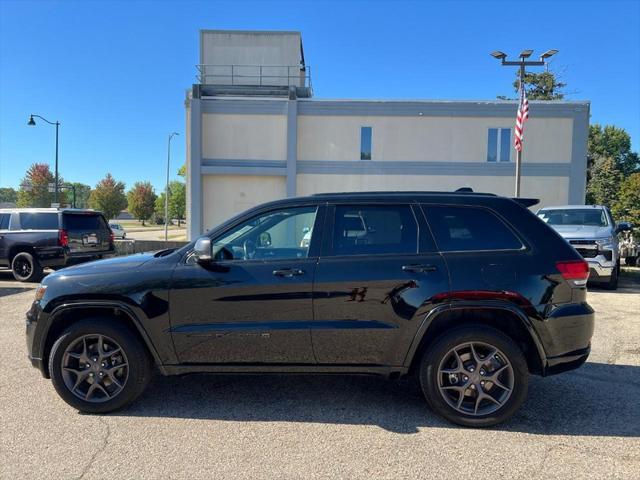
(26, 268)
(631, 261)
(485, 339)
(612, 284)
(125, 384)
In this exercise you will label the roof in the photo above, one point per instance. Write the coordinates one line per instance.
(562, 207)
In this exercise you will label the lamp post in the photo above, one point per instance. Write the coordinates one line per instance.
(166, 193)
(32, 123)
(521, 64)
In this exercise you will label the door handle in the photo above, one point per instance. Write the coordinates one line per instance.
(419, 268)
(288, 272)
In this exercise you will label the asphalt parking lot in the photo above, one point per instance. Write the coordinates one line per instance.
(581, 424)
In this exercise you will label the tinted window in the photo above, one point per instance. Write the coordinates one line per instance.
(370, 230)
(38, 221)
(84, 222)
(468, 228)
(499, 145)
(4, 221)
(594, 217)
(365, 143)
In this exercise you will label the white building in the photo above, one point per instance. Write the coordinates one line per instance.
(254, 134)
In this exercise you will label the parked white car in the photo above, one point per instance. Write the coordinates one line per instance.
(118, 231)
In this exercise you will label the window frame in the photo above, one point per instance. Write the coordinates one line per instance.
(525, 247)
(499, 145)
(327, 250)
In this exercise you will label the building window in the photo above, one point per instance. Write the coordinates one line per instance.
(365, 143)
(499, 145)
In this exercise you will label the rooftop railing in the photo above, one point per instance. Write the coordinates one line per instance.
(254, 75)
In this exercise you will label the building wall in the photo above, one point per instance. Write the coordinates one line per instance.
(254, 150)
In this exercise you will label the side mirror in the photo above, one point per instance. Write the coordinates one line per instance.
(202, 250)
(623, 227)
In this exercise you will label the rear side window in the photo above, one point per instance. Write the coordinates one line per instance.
(4, 221)
(38, 221)
(374, 230)
(84, 222)
(467, 228)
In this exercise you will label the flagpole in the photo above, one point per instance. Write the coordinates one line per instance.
(519, 151)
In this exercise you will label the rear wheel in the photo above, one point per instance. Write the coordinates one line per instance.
(98, 366)
(26, 268)
(474, 376)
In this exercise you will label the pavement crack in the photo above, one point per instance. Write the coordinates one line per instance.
(101, 448)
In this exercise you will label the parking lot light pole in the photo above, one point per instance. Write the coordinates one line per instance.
(166, 193)
(521, 64)
(32, 123)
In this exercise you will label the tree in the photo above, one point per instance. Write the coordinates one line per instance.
(177, 200)
(182, 171)
(612, 142)
(108, 197)
(36, 187)
(8, 194)
(158, 215)
(605, 182)
(83, 192)
(540, 86)
(141, 199)
(627, 206)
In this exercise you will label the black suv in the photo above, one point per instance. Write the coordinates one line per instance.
(34, 238)
(471, 292)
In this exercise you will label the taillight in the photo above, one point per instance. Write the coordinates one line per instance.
(63, 238)
(574, 270)
(112, 237)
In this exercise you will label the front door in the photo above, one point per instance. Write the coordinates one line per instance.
(253, 304)
(378, 277)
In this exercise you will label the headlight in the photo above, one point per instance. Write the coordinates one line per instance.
(604, 241)
(40, 291)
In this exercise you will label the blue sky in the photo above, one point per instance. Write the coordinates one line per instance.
(115, 73)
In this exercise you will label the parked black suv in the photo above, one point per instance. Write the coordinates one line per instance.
(471, 292)
(34, 238)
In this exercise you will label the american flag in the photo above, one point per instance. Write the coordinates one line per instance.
(523, 115)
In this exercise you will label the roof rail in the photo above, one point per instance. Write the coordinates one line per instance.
(403, 192)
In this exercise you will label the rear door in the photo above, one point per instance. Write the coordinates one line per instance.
(377, 278)
(88, 232)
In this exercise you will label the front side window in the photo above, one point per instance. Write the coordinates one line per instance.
(467, 228)
(499, 145)
(38, 221)
(279, 234)
(594, 217)
(365, 143)
(374, 230)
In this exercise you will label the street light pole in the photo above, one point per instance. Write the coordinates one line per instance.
(166, 193)
(32, 123)
(521, 64)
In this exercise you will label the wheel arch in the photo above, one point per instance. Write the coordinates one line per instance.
(505, 318)
(65, 315)
(19, 248)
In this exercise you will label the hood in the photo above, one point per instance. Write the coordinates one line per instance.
(582, 232)
(109, 265)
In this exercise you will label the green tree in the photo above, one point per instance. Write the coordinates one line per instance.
(605, 182)
(613, 142)
(177, 200)
(141, 199)
(83, 192)
(36, 188)
(540, 86)
(627, 207)
(8, 194)
(108, 197)
(158, 215)
(182, 171)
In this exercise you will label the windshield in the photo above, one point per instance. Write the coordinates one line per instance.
(575, 216)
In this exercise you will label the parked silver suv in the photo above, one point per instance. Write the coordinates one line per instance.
(594, 234)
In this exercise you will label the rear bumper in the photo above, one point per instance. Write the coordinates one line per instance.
(61, 257)
(566, 334)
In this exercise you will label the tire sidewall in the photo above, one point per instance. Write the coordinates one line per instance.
(480, 333)
(138, 362)
(36, 269)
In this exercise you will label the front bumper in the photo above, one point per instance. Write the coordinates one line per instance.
(600, 269)
(31, 324)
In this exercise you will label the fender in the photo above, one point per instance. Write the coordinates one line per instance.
(478, 305)
(114, 304)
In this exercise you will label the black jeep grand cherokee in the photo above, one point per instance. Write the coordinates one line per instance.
(471, 292)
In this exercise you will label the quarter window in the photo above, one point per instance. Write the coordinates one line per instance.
(38, 221)
(374, 230)
(365, 143)
(499, 145)
(469, 228)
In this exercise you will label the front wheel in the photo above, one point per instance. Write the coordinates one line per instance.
(474, 376)
(612, 284)
(99, 365)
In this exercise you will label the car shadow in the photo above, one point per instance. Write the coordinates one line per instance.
(596, 400)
